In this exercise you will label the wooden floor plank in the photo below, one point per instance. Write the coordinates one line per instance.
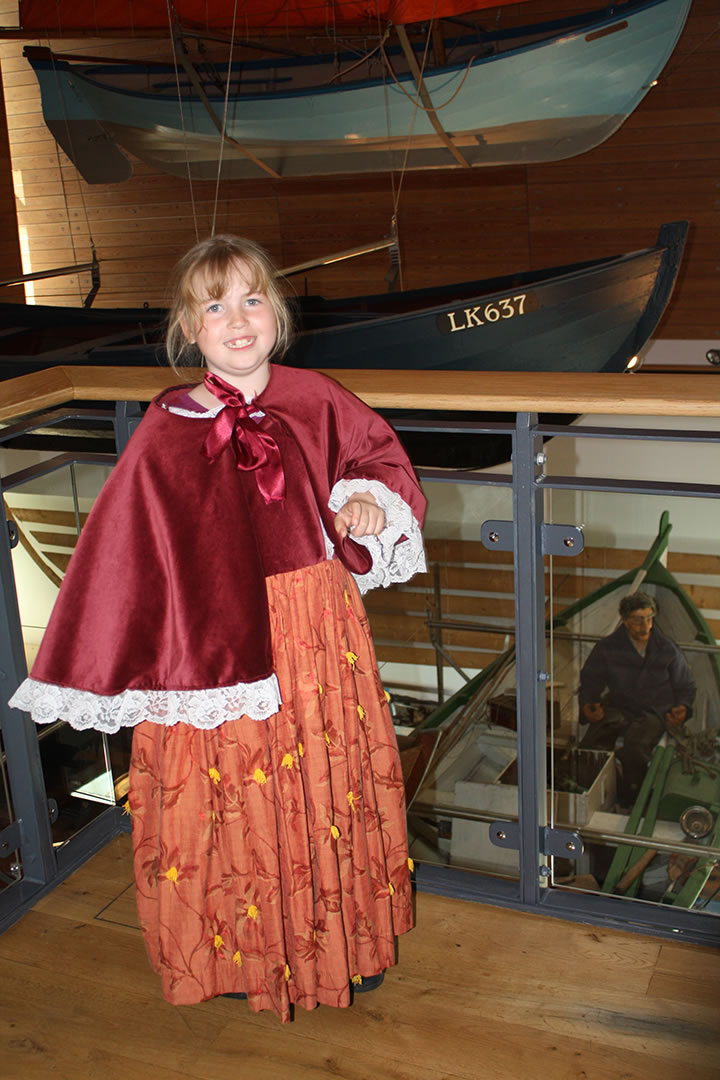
(480, 993)
(676, 959)
(692, 990)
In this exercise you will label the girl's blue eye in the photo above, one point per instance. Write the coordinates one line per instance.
(253, 300)
(214, 307)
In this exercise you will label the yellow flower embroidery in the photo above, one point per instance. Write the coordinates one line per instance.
(352, 659)
(252, 912)
(259, 777)
(320, 689)
(346, 594)
(217, 942)
(357, 979)
(214, 776)
(361, 712)
(127, 809)
(301, 750)
(391, 888)
(287, 761)
(237, 959)
(387, 696)
(334, 831)
(352, 799)
(213, 815)
(327, 738)
(172, 874)
(411, 865)
(287, 973)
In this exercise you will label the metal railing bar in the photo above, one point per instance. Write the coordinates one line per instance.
(462, 624)
(629, 487)
(467, 813)
(651, 434)
(60, 461)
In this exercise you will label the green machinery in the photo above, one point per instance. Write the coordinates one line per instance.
(679, 786)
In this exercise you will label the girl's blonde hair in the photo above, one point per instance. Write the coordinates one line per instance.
(212, 262)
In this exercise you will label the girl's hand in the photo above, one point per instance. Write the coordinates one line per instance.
(360, 516)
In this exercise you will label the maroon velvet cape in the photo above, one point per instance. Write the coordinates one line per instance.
(166, 588)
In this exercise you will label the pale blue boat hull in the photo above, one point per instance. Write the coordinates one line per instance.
(550, 100)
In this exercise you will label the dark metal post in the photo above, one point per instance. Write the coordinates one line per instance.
(27, 784)
(128, 415)
(530, 643)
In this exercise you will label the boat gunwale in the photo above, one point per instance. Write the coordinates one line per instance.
(447, 71)
(586, 270)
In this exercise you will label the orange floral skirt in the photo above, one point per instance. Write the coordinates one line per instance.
(271, 856)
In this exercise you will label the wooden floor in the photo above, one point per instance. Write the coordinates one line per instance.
(480, 994)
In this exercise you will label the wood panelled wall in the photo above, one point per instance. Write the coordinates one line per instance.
(10, 256)
(454, 224)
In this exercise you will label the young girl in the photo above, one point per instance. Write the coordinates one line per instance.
(213, 604)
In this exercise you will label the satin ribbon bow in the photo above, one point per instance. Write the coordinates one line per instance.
(255, 450)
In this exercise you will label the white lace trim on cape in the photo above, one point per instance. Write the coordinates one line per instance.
(392, 561)
(82, 709)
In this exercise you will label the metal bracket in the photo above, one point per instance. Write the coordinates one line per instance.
(558, 842)
(53, 810)
(561, 843)
(505, 834)
(562, 539)
(556, 539)
(497, 535)
(13, 534)
(10, 839)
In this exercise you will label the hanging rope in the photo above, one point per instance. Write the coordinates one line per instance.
(68, 134)
(363, 59)
(224, 120)
(416, 105)
(182, 121)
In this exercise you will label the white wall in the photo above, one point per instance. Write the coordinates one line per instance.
(36, 592)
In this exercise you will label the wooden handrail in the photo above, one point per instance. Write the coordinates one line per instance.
(481, 391)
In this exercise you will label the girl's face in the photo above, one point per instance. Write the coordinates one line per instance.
(238, 333)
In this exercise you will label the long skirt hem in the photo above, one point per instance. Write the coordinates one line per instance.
(271, 857)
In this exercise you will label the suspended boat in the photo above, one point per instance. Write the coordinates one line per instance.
(592, 316)
(465, 741)
(563, 90)
(587, 317)
(107, 16)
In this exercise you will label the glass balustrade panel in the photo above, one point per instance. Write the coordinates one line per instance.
(634, 747)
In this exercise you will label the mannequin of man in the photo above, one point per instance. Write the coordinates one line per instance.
(634, 683)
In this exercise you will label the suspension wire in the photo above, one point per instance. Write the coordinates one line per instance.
(395, 189)
(672, 68)
(224, 119)
(416, 105)
(182, 120)
(68, 134)
(368, 55)
(381, 36)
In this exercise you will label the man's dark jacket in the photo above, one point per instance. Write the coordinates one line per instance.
(654, 682)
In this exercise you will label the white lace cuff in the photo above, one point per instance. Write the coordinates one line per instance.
(82, 709)
(392, 561)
